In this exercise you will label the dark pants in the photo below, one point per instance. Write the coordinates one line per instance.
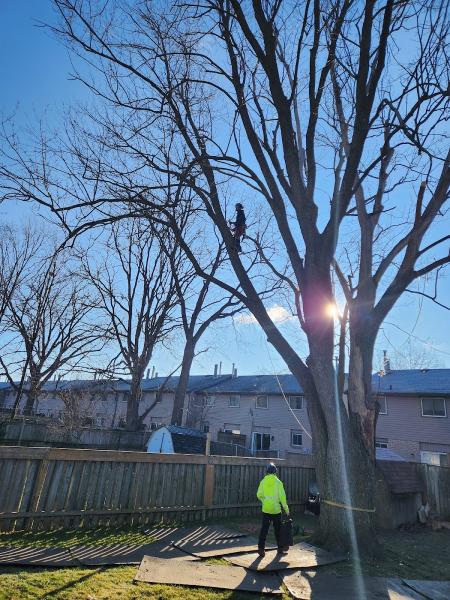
(266, 521)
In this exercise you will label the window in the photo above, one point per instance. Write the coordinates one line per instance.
(100, 421)
(296, 438)
(261, 441)
(199, 400)
(438, 459)
(234, 401)
(205, 427)
(382, 403)
(153, 426)
(232, 428)
(433, 407)
(381, 443)
(262, 402)
(209, 401)
(296, 402)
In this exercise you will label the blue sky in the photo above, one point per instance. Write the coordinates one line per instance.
(35, 84)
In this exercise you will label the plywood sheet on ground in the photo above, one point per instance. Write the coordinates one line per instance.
(308, 586)
(206, 542)
(299, 556)
(200, 574)
(121, 554)
(433, 590)
(197, 534)
(36, 557)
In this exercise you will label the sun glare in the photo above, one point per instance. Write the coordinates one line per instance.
(331, 310)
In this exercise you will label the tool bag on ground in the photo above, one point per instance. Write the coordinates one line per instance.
(286, 534)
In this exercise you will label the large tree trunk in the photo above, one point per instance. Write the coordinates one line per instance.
(32, 395)
(180, 392)
(134, 399)
(345, 466)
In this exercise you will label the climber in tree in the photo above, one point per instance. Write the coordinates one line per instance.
(238, 226)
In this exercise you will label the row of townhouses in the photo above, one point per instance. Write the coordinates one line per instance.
(263, 413)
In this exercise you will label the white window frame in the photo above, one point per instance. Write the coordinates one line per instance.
(382, 412)
(293, 433)
(267, 402)
(301, 396)
(209, 401)
(381, 443)
(262, 434)
(238, 401)
(435, 416)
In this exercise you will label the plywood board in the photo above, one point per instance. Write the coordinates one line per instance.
(299, 556)
(311, 585)
(433, 590)
(38, 557)
(208, 542)
(200, 574)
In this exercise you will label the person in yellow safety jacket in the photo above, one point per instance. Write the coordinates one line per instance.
(272, 496)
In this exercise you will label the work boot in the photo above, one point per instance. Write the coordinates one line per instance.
(261, 552)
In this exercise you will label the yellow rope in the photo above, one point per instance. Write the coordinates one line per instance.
(339, 505)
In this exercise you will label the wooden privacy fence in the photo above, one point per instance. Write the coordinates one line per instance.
(53, 487)
(437, 488)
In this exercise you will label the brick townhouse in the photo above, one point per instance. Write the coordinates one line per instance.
(266, 413)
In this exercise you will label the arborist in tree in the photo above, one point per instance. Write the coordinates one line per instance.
(273, 497)
(238, 226)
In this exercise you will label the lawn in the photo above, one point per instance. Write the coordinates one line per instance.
(417, 553)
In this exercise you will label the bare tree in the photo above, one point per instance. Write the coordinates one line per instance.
(16, 252)
(138, 297)
(47, 329)
(311, 109)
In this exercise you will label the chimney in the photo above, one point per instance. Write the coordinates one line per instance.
(386, 363)
(220, 368)
(153, 371)
(156, 375)
(215, 370)
(232, 370)
(234, 374)
(148, 373)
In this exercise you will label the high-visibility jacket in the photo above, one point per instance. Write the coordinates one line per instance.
(272, 495)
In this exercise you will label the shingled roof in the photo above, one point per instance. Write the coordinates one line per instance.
(413, 381)
(257, 384)
(186, 440)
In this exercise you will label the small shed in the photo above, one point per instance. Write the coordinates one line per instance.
(172, 439)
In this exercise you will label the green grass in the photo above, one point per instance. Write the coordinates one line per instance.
(75, 537)
(417, 554)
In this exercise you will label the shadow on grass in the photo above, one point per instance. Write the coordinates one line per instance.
(70, 584)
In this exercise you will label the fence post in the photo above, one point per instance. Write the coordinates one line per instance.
(208, 490)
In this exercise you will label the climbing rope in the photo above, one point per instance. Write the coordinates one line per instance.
(346, 506)
(284, 395)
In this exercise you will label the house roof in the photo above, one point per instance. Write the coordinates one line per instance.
(195, 383)
(186, 440)
(401, 382)
(413, 381)
(257, 384)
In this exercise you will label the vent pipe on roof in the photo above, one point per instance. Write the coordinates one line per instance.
(235, 372)
(232, 370)
(153, 371)
(386, 363)
(215, 370)
(220, 368)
